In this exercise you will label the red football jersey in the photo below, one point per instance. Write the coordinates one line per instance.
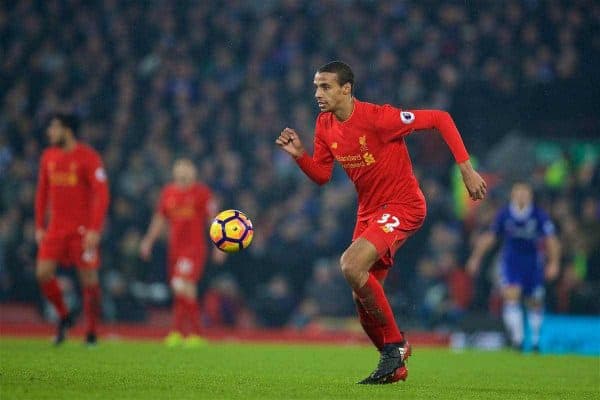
(73, 186)
(187, 210)
(370, 147)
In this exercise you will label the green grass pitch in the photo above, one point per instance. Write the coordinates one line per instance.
(33, 369)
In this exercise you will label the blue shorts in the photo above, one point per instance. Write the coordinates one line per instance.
(527, 274)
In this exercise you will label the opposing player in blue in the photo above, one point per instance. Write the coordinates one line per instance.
(530, 251)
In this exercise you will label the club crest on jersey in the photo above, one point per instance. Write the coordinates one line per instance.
(407, 117)
(362, 141)
(334, 145)
(362, 159)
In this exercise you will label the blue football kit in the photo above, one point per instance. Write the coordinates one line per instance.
(522, 254)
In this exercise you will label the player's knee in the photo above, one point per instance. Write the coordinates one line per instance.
(350, 264)
(508, 296)
(512, 293)
(180, 287)
(88, 277)
(345, 263)
(43, 273)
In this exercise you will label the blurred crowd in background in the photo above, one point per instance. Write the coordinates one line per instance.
(216, 81)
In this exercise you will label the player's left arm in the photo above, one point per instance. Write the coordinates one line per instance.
(396, 123)
(41, 201)
(100, 197)
(553, 265)
(444, 124)
(212, 207)
(548, 232)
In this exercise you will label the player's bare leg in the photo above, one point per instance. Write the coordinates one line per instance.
(46, 276)
(356, 262)
(512, 314)
(91, 302)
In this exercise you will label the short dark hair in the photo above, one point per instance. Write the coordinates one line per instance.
(342, 70)
(69, 121)
(521, 182)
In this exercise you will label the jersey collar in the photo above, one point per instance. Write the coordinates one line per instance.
(520, 214)
(354, 105)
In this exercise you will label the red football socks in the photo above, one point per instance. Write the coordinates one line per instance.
(377, 307)
(91, 307)
(193, 311)
(54, 295)
(179, 311)
(185, 309)
(370, 326)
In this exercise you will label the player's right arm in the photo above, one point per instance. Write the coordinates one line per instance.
(157, 226)
(41, 201)
(318, 167)
(212, 207)
(482, 245)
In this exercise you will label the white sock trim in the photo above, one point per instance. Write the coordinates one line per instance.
(512, 314)
(535, 318)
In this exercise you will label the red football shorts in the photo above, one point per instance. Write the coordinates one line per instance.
(387, 230)
(187, 267)
(67, 250)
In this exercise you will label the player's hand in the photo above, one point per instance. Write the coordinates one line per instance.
(146, 249)
(473, 181)
(39, 235)
(472, 266)
(91, 240)
(218, 256)
(290, 142)
(551, 271)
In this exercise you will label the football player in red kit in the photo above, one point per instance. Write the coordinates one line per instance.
(70, 207)
(368, 141)
(186, 207)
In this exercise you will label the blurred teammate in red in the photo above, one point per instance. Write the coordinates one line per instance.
(185, 206)
(70, 206)
(368, 141)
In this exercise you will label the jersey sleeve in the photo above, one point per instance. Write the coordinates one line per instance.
(100, 193)
(394, 123)
(41, 195)
(545, 225)
(320, 166)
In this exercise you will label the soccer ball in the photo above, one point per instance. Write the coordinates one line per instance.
(231, 231)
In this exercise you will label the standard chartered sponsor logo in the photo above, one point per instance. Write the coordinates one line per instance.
(356, 160)
(353, 157)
